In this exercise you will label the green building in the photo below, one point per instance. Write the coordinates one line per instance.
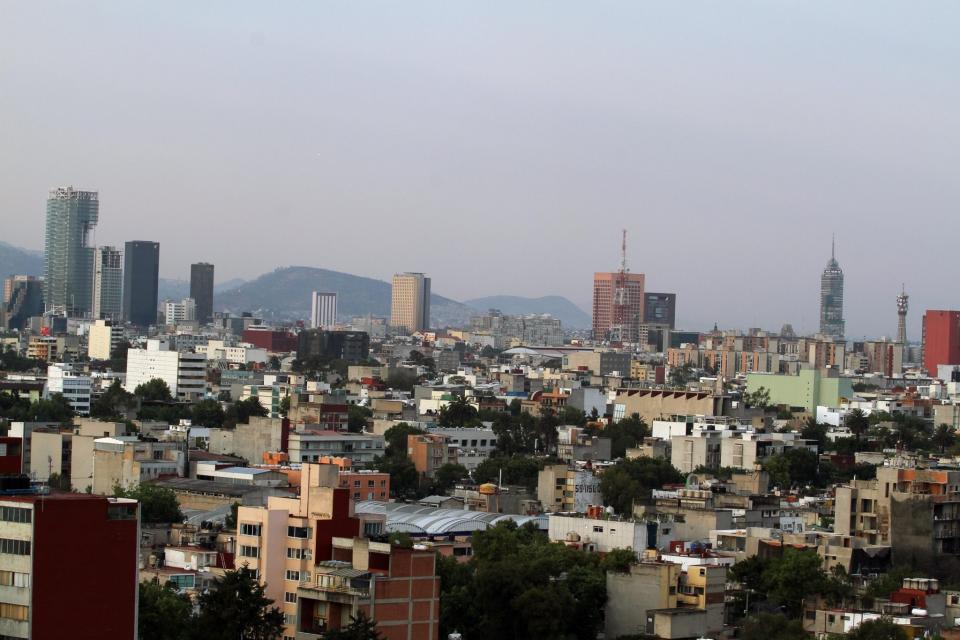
(810, 389)
(68, 254)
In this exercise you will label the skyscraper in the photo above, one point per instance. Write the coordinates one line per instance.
(323, 310)
(903, 303)
(68, 256)
(141, 271)
(107, 283)
(831, 298)
(22, 299)
(410, 302)
(201, 290)
(941, 339)
(605, 303)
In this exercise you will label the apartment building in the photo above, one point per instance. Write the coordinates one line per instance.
(185, 373)
(36, 599)
(366, 484)
(562, 489)
(126, 461)
(310, 445)
(102, 338)
(75, 387)
(472, 445)
(429, 452)
(307, 552)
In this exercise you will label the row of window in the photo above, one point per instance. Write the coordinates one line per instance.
(15, 547)
(298, 554)
(14, 579)
(370, 483)
(16, 514)
(289, 596)
(247, 529)
(14, 612)
(248, 551)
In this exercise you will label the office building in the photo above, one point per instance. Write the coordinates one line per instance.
(180, 312)
(201, 290)
(141, 272)
(941, 339)
(184, 373)
(351, 346)
(91, 537)
(831, 299)
(103, 338)
(22, 300)
(410, 302)
(605, 305)
(68, 256)
(73, 386)
(107, 283)
(660, 309)
(323, 310)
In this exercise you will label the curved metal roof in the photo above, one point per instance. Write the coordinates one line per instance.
(419, 520)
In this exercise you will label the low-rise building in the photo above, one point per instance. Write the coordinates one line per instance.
(310, 445)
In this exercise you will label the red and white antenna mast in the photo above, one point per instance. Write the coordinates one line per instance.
(621, 302)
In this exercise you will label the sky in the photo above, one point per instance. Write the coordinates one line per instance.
(501, 147)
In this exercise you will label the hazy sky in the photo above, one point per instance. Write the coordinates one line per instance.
(501, 146)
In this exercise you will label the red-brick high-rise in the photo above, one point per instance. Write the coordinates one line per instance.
(604, 308)
(941, 339)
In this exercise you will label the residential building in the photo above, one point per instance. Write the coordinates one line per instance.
(573, 444)
(515, 330)
(807, 390)
(310, 445)
(941, 339)
(102, 338)
(597, 534)
(141, 272)
(563, 489)
(22, 300)
(250, 441)
(350, 346)
(201, 291)
(36, 601)
(107, 283)
(604, 304)
(307, 553)
(185, 373)
(180, 312)
(429, 452)
(599, 362)
(831, 299)
(323, 310)
(219, 350)
(68, 254)
(366, 484)
(410, 302)
(75, 387)
(126, 461)
(470, 445)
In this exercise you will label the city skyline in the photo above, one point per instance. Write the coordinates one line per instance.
(517, 140)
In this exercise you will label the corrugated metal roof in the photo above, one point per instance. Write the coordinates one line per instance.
(418, 519)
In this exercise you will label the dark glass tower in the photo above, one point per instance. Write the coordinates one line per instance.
(831, 298)
(141, 270)
(68, 254)
(201, 290)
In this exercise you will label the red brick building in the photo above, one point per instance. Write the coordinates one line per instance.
(275, 340)
(604, 291)
(941, 339)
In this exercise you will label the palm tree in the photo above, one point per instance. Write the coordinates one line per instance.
(944, 437)
(858, 423)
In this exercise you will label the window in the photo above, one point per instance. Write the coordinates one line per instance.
(298, 532)
(15, 547)
(597, 529)
(356, 483)
(15, 514)
(13, 611)
(293, 575)
(249, 552)
(290, 596)
(248, 529)
(356, 495)
(14, 579)
(297, 554)
(371, 483)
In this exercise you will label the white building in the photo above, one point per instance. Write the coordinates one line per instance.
(603, 535)
(310, 446)
(62, 379)
(235, 354)
(472, 445)
(102, 339)
(180, 312)
(323, 310)
(185, 373)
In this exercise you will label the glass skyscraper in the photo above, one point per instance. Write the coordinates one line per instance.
(68, 254)
(201, 290)
(831, 299)
(141, 271)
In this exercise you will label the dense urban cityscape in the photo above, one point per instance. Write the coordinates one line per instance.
(479, 321)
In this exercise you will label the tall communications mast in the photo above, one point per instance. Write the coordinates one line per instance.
(902, 303)
(621, 302)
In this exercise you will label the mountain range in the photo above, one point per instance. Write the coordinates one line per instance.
(284, 294)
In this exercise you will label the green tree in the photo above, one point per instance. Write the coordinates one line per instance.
(404, 478)
(163, 613)
(793, 576)
(208, 413)
(360, 628)
(759, 398)
(155, 390)
(458, 413)
(59, 481)
(626, 434)
(230, 521)
(618, 560)
(274, 363)
(680, 376)
(157, 504)
(858, 423)
(56, 408)
(242, 411)
(236, 607)
(880, 629)
(396, 439)
(10, 360)
(445, 477)
(816, 432)
(944, 437)
(770, 626)
(631, 480)
(518, 470)
(357, 418)
(113, 404)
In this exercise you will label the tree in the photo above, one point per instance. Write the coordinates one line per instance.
(458, 413)
(59, 481)
(448, 475)
(360, 628)
(155, 390)
(759, 398)
(230, 520)
(113, 404)
(357, 417)
(396, 439)
(274, 363)
(618, 560)
(163, 614)
(880, 629)
(242, 411)
(10, 360)
(858, 423)
(404, 478)
(771, 626)
(631, 480)
(794, 467)
(284, 408)
(157, 504)
(817, 432)
(56, 408)
(791, 577)
(944, 437)
(236, 607)
(208, 413)
(521, 470)
(626, 434)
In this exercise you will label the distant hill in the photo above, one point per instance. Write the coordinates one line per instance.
(284, 294)
(17, 261)
(572, 316)
(168, 288)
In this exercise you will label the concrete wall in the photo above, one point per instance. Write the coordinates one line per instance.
(631, 595)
